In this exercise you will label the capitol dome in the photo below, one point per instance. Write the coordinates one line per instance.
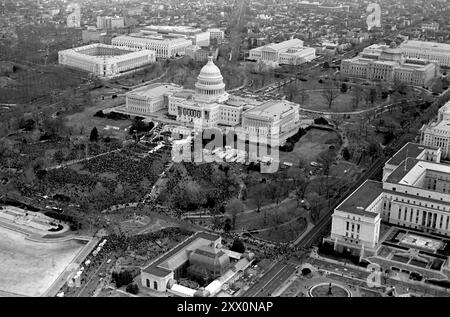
(210, 70)
(209, 85)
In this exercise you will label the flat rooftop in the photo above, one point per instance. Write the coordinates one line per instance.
(285, 45)
(361, 198)
(411, 169)
(271, 109)
(150, 38)
(402, 169)
(182, 29)
(185, 93)
(102, 52)
(155, 268)
(413, 150)
(413, 43)
(155, 90)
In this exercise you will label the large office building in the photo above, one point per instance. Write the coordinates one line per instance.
(73, 19)
(109, 23)
(439, 52)
(414, 193)
(197, 36)
(216, 36)
(290, 52)
(388, 63)
(105, 61)
(200, 258)
(201, 54)
(165, 46)
(437, 133)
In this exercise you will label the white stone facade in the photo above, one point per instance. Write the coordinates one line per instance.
(437, 133)
(163, 47)
(105, 61)
(439, 52)
(414, 193)
(383, 63)
(291, 52)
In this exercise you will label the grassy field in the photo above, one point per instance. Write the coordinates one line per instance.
(285, 232)
(343, 102)
(311, 145)
(29, 83)
(269, 217)
(86, 121)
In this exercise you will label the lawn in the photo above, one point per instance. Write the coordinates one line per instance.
(311, 145)
(285, 232)
(32, 82)
(85, 120)
(316, 101)
(269, 217)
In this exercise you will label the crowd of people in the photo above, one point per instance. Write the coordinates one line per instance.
(129, 169)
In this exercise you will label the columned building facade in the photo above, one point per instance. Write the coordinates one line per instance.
(437, 133)
(163, 47)
(105, 61)
(291, 52)
(414, 193)
(383, 63)
(439, 52)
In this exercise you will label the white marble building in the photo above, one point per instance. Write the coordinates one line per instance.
(414, 193)
(437, 133)
(388, 63)
(290, 52)
(105, 61)
(439, 52)
(164, 46)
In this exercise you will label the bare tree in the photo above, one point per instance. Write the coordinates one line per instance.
(300, 188)
(357, 96)
(302, 163)
(330, 94)
(326, 159)
(291, 91)
(303, 95)
(260, 195)
(371, 96)
(314, 201)
(337, 120)
(234, 207)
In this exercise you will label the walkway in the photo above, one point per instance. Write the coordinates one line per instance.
(80, 160)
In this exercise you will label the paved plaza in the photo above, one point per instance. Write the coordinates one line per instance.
(29, 267)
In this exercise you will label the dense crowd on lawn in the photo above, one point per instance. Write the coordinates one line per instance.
(192, 187)
(129, 180)
(129, 170)
(52, 152)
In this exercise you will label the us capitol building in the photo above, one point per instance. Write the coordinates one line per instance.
(209, 105)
